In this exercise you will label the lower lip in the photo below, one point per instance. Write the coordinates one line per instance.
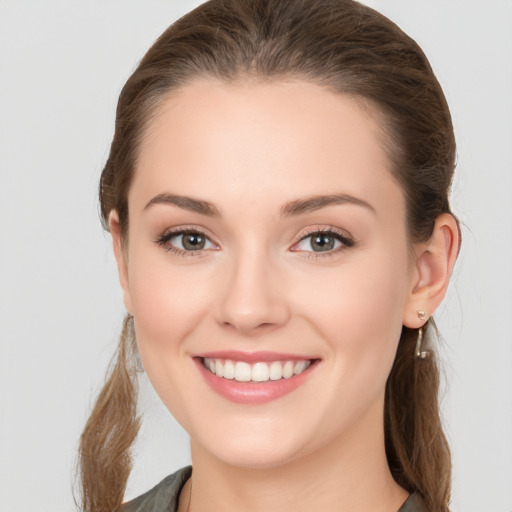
(253, 392)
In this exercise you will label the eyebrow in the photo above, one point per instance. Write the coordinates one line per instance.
(187, 203)
(296, 207)
(313, 203)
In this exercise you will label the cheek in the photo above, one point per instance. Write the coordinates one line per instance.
(169, 303)
(359, 316)
(168, 300)
(359, 311)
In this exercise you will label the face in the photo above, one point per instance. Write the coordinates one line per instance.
(267, 239)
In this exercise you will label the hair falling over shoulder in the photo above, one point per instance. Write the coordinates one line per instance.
(350, 49)
(416, 447)
(105, 444)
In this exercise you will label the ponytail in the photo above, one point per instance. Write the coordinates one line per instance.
(416, 447)
(104, 451)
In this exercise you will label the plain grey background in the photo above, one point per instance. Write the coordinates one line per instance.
(62, 65)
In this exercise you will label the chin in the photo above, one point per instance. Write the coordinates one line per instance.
(251, 449)
(254, 457)
(246, 444)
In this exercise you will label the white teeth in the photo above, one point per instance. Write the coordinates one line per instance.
(242, 371)
(276, 371)
(257, 372)
(229, 370)
(219, 368)
(288, 369)
(300, 366)
(260, 372)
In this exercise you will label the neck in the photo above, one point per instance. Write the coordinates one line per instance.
(349, 473)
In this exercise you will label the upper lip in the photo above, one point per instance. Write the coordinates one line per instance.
(253, 357)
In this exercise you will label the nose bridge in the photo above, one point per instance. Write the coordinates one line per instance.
(252, 296)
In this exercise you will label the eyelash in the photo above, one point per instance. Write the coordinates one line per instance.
(347, 242)
(164, 238)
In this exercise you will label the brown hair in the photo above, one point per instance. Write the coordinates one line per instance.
(348, 48)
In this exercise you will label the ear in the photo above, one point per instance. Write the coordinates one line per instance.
(434, 261)
(121, 258)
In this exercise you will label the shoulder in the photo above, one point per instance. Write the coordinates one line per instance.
(414, 503)
(163, 497)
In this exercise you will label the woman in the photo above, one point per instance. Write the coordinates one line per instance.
(277, 193)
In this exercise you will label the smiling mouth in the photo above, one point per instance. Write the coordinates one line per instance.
(260, 371)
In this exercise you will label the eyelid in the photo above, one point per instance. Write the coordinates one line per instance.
(343, 237)
(164, 238)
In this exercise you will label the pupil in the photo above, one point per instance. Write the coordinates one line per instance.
(193, 241)
(322, 242)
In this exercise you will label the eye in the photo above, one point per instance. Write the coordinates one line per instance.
(323, 241)
(185, 242)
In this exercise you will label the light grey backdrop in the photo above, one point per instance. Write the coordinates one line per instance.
(62, 64)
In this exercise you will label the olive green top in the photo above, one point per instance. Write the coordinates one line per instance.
(164, 496)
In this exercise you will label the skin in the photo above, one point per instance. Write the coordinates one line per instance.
(248, 148)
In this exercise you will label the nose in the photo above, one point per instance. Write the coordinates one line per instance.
(253, 298)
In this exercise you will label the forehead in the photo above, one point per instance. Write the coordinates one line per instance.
(261, 140)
